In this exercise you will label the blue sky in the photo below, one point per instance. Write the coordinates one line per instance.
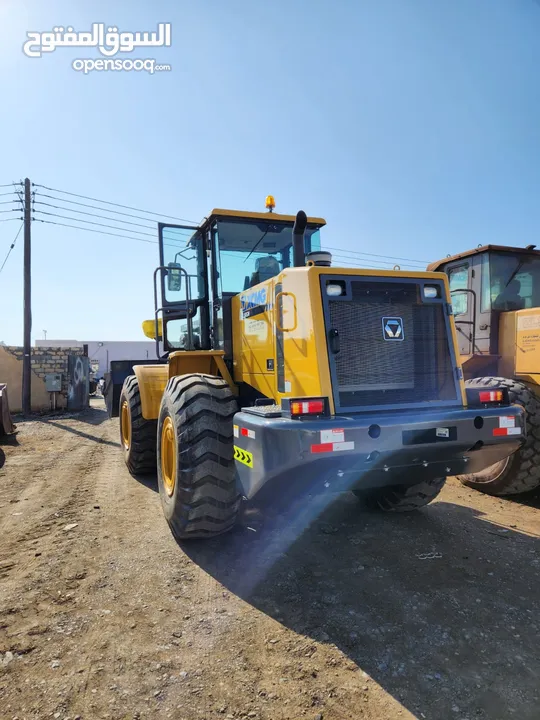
(412, 126)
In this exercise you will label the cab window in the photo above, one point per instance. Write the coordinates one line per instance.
(458, 277)
(514, 281)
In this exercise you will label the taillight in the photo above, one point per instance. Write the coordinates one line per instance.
(489, 396)
(480, 398)
(301, 407)
(309, 407)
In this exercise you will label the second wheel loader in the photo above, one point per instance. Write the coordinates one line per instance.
(496, 300)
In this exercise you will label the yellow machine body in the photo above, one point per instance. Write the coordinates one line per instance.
(519, 345)
(153, 379)
(255, 352)
(305, 352)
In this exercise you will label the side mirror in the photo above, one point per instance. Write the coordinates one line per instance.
(174, 277)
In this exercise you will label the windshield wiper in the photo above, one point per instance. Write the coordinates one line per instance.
(259, 241)
(520, 264)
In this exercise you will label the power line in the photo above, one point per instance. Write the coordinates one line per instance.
(390, 257)
(11, 247)
(99, 232)
(94, 207)
(342, 259)
(10, 185)
(13, 192)
(83, 212)
(102, 232)
(343, 263)
(359, 263)
(9, 219)
(370, 266)
(342, 253)
(107, 202)
(90, 222)
(111, 227)
(372, 258)
(14, 210)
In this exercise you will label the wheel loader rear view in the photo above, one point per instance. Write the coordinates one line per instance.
(280, 373)
(496, 300)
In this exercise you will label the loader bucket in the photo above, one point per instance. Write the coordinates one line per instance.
(6, 425)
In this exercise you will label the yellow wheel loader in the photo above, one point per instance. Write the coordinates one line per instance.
(495, 294)
(281, 376)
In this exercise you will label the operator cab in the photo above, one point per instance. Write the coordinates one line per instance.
(203, 268)
(485, 282)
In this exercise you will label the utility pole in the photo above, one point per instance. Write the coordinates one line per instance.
(27, 358)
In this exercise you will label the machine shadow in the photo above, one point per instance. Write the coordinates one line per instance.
(79, 433)
(148, 481)
(95, 414)
(532, 499)
(439, 607)
(9, 440)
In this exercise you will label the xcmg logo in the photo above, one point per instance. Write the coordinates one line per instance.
(253, 299)
(254, 303)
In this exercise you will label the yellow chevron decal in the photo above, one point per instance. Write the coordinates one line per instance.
(243, 456)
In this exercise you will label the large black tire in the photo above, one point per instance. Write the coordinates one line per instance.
(402, 498)
(138, 441)
(520, 472)
(197, 478)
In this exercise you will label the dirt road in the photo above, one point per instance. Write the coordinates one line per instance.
(342, 614)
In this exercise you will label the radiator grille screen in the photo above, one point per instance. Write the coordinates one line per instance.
(393, 347)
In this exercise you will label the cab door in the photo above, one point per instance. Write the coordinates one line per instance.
(486, 327)
(463, 301)
(184, 288)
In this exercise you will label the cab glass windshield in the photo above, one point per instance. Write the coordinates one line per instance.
(252, 252)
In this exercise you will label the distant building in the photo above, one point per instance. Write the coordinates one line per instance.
(101, 353)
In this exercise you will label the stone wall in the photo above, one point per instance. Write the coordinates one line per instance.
(43, 362)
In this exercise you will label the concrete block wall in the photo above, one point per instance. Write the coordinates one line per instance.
(43, 361)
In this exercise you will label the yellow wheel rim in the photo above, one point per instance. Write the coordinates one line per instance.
(125, 423)
(168, 456)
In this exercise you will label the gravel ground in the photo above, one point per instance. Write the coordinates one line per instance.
(325, 612)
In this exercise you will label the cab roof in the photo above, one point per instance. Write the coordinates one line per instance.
(219, 213)
(434, 266)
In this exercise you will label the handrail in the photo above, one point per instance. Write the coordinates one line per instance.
(279, 312)
(157, 310)
(472, 336)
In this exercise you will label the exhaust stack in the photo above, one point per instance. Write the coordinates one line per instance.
(299, 258)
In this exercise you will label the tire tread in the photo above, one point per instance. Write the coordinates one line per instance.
(403, 498)
(141, 457)
(207, 501)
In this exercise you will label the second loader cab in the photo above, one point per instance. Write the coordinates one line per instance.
(495, 293)
(484, 283)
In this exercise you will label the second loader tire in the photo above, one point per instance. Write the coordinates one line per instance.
(137, 435)
(520, 472)
(196, 467)
(402, 498)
